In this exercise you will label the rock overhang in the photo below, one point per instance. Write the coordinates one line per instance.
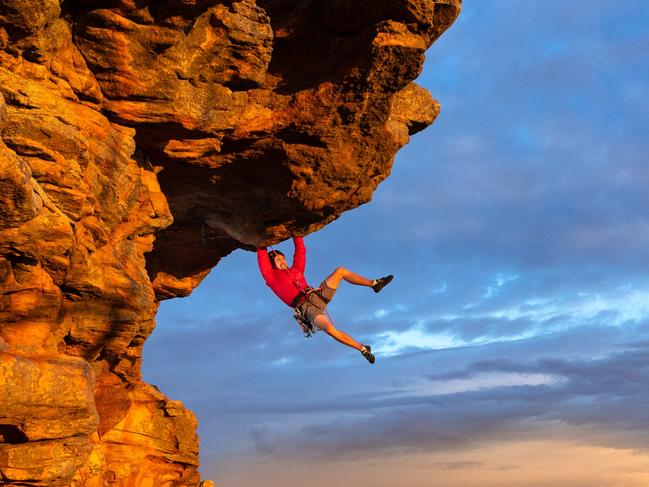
(140, 142)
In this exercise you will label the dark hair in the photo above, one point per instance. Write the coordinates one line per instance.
(272, 254)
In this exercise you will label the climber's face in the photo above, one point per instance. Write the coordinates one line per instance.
(280, 262)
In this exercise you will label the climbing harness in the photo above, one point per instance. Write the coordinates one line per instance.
(308, 328)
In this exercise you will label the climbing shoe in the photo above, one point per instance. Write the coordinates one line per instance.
(366, 351)
(381, 283)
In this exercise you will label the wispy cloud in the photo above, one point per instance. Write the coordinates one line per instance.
(482, 322)
(602, 401)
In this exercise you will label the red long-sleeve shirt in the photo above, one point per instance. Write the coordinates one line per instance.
(286, 284)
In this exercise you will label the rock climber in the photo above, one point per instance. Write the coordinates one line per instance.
(289, 284)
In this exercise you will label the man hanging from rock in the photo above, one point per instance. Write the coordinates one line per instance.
(289, 284)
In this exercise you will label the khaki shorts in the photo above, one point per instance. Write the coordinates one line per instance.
(316, 302)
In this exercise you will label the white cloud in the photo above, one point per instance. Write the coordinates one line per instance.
(392, 342)
(380, 313)
(284, 360)
(488, 380)
(623, 304)
(499, 281)
(545, 315)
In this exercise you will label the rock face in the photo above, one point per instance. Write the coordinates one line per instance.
(142, 141)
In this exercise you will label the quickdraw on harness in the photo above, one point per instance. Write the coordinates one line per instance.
(307, 327)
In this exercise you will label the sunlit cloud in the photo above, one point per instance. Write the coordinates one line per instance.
(540, 316)
(395, 341)
(482, 381)
(541, 463)
(621, 306)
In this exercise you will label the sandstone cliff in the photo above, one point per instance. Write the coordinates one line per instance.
(140, 142)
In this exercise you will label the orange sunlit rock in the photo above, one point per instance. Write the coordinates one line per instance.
(140, 142)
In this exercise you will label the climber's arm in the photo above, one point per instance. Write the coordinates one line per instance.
(264, 264)
(299, 256)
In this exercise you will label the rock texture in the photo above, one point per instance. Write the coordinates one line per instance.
(140, 142)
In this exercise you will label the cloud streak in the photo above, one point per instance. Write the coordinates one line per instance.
(601, 401)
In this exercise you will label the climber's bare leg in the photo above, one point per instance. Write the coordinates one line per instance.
(323, 323)
(341, 273)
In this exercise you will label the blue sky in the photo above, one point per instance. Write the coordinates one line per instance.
(518, 233)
